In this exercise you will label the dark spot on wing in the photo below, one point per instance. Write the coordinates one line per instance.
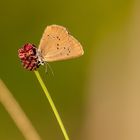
(69, 50)
(58, 37)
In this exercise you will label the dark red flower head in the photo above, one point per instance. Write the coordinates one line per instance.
(28, 56)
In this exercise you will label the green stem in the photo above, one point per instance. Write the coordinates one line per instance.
(52, 105)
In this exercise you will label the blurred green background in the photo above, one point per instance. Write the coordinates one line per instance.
(103, 28)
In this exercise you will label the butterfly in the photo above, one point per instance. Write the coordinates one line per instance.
(56, 44)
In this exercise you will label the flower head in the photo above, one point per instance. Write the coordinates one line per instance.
(28, 56)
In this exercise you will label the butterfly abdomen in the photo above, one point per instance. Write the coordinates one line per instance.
(28, 56)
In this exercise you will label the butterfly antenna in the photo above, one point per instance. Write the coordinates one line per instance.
(46, 70)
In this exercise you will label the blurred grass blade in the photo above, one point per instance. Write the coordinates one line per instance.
(17, 114)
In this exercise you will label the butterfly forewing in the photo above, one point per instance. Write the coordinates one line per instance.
(57, 44)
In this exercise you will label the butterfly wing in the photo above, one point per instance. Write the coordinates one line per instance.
(57, 44)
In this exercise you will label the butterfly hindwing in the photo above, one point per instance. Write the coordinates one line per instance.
(57, 44)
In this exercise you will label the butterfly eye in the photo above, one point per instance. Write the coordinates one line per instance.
(40, 62)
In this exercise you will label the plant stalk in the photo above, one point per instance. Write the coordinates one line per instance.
(52, 105)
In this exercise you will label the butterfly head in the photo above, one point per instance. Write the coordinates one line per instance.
(29, 56)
